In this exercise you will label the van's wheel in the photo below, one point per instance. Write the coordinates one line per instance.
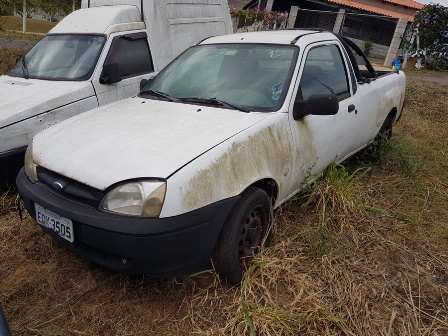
(386, 129)
(245, 231)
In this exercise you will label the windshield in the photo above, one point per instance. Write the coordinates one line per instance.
(61, 57)
(252, 76)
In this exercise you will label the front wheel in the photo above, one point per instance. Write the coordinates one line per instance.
(245, 231)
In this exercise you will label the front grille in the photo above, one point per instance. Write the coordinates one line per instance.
(69, 189)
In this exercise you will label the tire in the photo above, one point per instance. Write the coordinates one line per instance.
(386, 129)
(245, 231)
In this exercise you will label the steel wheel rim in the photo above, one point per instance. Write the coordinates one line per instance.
(251, 234)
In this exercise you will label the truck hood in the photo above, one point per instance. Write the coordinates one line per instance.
(135, 138)
(21, 98)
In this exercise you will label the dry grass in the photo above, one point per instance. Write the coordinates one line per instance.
(15, 45)
(363, 252)
(32, 25)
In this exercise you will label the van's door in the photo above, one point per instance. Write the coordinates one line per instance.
(132, 55)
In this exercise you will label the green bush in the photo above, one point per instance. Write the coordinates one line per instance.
(264, 18)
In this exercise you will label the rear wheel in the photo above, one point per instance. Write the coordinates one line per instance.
(244, 233)
(386, 128)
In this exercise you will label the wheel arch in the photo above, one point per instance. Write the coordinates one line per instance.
(269, 186)
(392, 114)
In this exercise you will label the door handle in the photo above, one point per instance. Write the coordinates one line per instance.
(352, 108)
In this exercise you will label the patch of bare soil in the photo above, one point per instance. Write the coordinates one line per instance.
(11, 43)
(438, 78)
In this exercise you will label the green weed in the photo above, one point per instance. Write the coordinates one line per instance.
(321, 241)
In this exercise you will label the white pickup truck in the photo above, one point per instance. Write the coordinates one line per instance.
(98, 55)
(192, 168)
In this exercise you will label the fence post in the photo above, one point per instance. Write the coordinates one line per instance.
(269, 5)
(396, 40)
(292, 16)
(339, 21)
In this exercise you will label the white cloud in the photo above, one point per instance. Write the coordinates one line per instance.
(442, 2)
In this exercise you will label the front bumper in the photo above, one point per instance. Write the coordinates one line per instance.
(179, 245)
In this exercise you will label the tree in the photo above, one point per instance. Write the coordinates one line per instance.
(7, 7)
(432, 24)
(55, 8)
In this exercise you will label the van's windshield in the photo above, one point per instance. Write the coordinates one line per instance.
(245, 76)
(61, 57)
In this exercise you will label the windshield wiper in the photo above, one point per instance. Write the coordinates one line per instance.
(213, 102)
(25, 68)
(158, 94)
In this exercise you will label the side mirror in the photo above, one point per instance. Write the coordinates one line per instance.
(111, 74)
(318, 104)
(144, 82)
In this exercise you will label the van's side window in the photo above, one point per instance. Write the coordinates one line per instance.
(131, 53)
(324, 73)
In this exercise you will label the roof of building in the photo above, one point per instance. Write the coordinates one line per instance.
(375, 9)
(362, 6)
(407, 3)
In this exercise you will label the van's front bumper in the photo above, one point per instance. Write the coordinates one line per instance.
(172, 246)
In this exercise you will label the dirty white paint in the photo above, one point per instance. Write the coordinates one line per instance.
(176, 24)
(207, 154)
(20, 134)
(87, 21)
(25, 103)
(171, 26)
(261, 151)
(135, 138)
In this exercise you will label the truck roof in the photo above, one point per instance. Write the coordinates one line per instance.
(100, 20)
(286, 37)
(97, 3)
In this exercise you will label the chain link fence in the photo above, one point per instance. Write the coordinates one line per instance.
(372, 33)
(309, 18)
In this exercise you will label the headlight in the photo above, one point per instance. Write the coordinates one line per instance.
(143, 199)
(30, 167)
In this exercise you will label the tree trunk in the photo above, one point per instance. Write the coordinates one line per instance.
(24, 16)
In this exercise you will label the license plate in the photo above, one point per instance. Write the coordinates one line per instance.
(61, 225)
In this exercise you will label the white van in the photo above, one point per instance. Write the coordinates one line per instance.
(97, 55)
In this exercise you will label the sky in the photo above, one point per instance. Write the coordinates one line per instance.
(443, 2)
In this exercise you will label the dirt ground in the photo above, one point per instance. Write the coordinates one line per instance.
(431, 77)
(8, 43)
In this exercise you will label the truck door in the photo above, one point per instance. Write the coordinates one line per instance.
(322, 139)
(132, 55)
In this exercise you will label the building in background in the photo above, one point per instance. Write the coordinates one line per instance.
(377, 26)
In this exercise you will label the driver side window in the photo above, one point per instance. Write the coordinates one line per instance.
(132, 55)
(324, 73)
